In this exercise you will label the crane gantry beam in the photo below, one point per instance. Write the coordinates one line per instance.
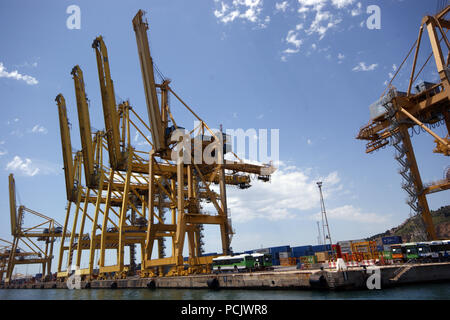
(110, 113)
(85, 127)
(66, 147)
(148, 78)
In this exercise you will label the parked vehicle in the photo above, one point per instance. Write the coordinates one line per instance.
(243, 262)
(262, 260)
(233, 263)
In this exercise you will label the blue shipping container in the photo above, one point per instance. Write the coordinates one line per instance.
(302, 251)
(298, 254)
(392, 240)
(280, 249)
(300, 248)
(321, 248)
(209, 254)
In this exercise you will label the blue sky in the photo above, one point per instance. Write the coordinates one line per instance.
(309, 68)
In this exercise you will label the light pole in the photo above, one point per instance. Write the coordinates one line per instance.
(326, 235)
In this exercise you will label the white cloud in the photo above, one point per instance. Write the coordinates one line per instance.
(357, 11)
(362, 67)
(323, 20)
(26, 167)
(341, 57)
(33, 167)
(16, 75)
(39, 129)
(291, 38)
(249, 10)
(290, 191)
(350, 213)
(291, 51)
(27, 64)
(341, 3)
(282, 6)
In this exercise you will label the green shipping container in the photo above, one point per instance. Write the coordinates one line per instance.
(308, 259)
(387, 255)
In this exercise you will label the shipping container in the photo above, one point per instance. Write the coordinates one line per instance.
(322, 256)
(288, 261)
(280, 249)
(392, 240)
(302, 251)
(387, 255)
(308, 259)
(210, 254)
(321, 248)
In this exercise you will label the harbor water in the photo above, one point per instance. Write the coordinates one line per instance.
(427, 291)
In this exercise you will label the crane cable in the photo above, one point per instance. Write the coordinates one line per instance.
(404, 60)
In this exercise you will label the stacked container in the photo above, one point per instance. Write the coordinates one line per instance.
(302, 251)
(275, 252)
(321, 248)
(346, 247)
(322, 256)
(308, 259)
(391, 240)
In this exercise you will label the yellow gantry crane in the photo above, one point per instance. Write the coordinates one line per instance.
(183, 188)
(5, 252)
(395, 112)
(134, 189)
(46, 230)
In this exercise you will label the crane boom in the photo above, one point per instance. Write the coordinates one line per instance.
(66, 145)
(109, 103)
(12, 204)
(148, 77)
(85, 126)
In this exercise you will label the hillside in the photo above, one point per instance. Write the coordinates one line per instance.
(409, 230)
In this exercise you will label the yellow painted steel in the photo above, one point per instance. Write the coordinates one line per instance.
(66, 147)
(12, 204)
(128, 197)
(427, 107)
(22, 233)
(85, 127)
(109, 103)
(146, 61)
